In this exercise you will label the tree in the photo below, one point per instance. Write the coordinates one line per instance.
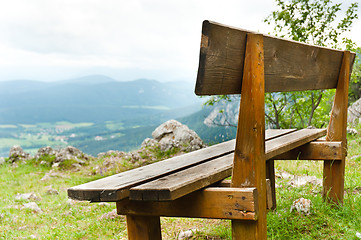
(316, 22)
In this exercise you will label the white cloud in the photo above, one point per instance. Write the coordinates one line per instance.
(158, 38)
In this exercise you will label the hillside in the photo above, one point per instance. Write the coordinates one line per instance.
(90, 99)
(97, 113)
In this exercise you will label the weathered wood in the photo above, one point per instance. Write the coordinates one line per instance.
(290, 141)
(249, 167)
(116, 187)
(270, 175)
(181, 183)
(270, 202)
(212, 202)
(143, 227)
(289, 65)
(316, 150)
(334, 172)
(191, 179)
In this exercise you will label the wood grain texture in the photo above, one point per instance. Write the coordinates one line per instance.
(316, 150)
(293, 140)
(334, 171)
(116, 187)
(289, 65)
(249, 164)
(176, 185)
(143, 227)
(181, 183)
(212, 202)
(227, 183)
(271, 186)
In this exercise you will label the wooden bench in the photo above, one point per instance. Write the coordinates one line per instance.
(235, 61)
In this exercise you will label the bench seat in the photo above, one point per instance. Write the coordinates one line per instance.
(175, 177)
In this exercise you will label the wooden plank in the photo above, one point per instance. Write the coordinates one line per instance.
(181, 183)
(316, 150)
(290, 141)
(334, 172)
(221, 203)
(289, 65)
(249, 166)
(143, 227)
(116, 187)
(176, 185)
(227, 183)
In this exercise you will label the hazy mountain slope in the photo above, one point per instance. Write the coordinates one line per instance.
(99, 99)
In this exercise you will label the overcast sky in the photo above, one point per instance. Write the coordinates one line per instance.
(51, 40)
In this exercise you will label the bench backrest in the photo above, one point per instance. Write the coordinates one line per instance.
(288, 65)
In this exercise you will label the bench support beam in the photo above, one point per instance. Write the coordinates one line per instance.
(212, 202)
(249, 167)
(143, 227)
(334, 171)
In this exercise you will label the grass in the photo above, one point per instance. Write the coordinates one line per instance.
(64, 219)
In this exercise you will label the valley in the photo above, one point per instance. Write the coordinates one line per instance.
(96, 113)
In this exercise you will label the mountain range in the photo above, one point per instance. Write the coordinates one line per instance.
(93, 98)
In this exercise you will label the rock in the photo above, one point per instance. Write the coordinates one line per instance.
(32, 206)
(69, 153)
(302, 206)
(109, 215)
(174, 134)
(45, 151)
(149, 142)
(352, 131)
(224, 113)
(22, 228)
(354, 112)
(299, 181)
(51, 174)
(51, 191)
(111, 153)
(186, 234)
(103, 204)
(16, 153)
(27, 196)
(2, 160)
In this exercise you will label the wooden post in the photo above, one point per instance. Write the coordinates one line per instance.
(270, 174)
(334, 171)
(143, 227)
(249, 169)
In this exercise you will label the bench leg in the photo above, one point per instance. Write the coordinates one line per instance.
(249, 169)
(334, 171)
(333, 181)
(249, 230)
(143, 227)
(270, 174)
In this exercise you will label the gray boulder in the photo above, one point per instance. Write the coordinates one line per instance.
(16, 153)
(174, 134)
(44, 151)
(354, 112)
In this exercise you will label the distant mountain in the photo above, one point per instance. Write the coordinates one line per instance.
(91, 79)
(94, 98)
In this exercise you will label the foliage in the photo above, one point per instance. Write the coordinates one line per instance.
(355, 83)
(315, 22)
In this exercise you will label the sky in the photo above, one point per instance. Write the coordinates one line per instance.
(51, 40)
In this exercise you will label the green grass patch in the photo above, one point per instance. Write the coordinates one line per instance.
(64, 219)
